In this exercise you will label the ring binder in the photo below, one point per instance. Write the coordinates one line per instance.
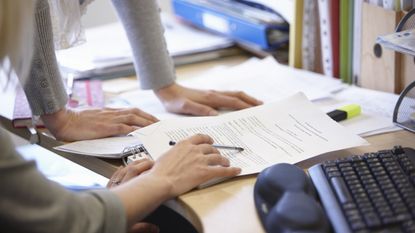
(248, 24)
(133, 153)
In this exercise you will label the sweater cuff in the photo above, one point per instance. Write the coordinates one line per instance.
(115, 214)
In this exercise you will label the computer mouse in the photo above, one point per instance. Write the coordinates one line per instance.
(286, 201)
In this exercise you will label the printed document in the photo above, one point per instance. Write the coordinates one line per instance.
(287, 131)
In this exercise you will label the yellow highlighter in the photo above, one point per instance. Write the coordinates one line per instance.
(345, 112)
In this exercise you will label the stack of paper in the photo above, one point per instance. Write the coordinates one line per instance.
(289, 130)
(185, 45)
(274, 81)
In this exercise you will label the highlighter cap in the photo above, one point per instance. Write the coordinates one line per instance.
(352, 110)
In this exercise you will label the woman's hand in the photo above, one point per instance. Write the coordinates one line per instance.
(68, 125)
(124, 174)
(179, 99)
(190, 163)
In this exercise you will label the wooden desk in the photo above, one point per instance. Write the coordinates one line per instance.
(228, 206)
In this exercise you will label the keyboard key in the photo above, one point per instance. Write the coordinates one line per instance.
(341, 190)
(372, 220)
(397, 150)
(333, 174)
(376, 190)
(357, 225)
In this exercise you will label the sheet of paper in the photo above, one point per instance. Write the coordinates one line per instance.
(268, 81)
(377, 109)
(290, 130)
(111, 147)
(120, 85)
(61, 170)
(264, 79)
(7, 94)
(276, 81)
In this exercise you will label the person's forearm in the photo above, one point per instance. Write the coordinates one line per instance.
(142, 23)
(142, 195)
(32, 203)
(44, 88)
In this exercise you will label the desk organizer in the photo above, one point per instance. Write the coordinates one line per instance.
(383, 69)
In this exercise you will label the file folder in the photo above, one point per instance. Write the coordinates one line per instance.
(241, 22)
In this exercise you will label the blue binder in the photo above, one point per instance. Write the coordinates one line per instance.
(246, 23)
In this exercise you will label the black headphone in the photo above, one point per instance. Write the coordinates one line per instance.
(285, 200)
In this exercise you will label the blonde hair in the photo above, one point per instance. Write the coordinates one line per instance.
(16, 36)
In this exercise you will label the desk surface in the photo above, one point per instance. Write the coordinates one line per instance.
(228, 206)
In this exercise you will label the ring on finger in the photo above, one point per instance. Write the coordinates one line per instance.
(116, 182)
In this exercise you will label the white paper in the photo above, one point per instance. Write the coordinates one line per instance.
(290, 130)
(7, 93)
(61, 170)
(377, 110)
(264, 79)
(111, 147)
(268, 81)
(180, 39)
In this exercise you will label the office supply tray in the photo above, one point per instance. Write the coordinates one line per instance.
(404, 113)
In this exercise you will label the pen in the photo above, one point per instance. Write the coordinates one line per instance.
(345, 112)
(172, 143)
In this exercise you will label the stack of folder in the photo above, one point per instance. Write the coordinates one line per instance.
(185, 44)
(322, 37)
(337, 38)
(246, 22)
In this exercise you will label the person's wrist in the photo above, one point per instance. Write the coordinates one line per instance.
(56, 122)
(166, 91)
(163, 184)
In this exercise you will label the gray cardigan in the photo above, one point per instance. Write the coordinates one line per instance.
(141, 19)
(28, 201)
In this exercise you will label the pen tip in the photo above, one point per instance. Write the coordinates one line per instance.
(171, 143)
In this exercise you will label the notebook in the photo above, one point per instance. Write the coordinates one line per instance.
(22, 114)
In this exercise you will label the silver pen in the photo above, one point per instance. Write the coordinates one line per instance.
(172, 143)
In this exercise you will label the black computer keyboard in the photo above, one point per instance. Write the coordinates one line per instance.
(373, 192)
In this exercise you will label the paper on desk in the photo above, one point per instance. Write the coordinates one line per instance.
(290, 130)
(111, 147)
(8, 93)
(377, 110)
(264, 79)
(268, 81)
(60, 169)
